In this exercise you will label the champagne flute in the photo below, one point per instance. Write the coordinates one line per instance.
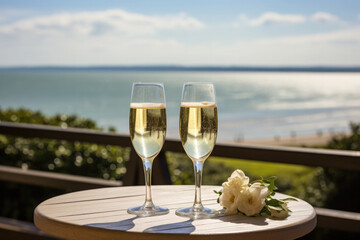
(198, 131)
(147, 124)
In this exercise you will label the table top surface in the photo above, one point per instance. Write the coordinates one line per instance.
(102, 214)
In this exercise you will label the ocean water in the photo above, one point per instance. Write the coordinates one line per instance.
(250, 104)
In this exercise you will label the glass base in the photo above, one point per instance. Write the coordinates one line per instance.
(196, 213)
(143, 211)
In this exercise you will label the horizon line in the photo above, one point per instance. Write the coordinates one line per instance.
(163, 67)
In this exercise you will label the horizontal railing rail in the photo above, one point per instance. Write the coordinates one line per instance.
(69, 134)
(338, 220)
(340, 159)
(327, 218)
(54, 180)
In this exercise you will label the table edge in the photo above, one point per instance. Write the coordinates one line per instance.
(50, 225)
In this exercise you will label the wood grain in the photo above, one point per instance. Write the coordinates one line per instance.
(102, 214)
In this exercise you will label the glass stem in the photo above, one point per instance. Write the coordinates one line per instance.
(198, 168)
(147, 171)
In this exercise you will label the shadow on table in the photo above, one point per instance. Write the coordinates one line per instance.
(124, 225)
(241, 219)
(179, 227)
(120, 225)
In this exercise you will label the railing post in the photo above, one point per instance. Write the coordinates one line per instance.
(135, 172)
(161, 174)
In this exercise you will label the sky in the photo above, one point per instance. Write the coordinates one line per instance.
(189, 33)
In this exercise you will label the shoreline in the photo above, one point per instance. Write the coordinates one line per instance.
(293, 140)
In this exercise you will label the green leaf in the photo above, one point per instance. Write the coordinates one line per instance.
(279, 209)
(271, 182)
(218, 192)
(288, 199)
(274, 202)
(269, 179)
(285, 207)
(271, 186)
(265, 211)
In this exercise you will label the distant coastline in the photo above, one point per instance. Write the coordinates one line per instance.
(179, 68)
(276, 107)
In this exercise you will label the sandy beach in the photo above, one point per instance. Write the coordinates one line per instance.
(293, 140)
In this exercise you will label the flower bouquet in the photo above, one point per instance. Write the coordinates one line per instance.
(238, 195)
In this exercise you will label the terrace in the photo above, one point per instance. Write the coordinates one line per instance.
(12, 229)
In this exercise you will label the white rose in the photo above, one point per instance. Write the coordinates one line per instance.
(231, 189)
(237, 181)
(251, 200)
(228, 198)
(239, 177)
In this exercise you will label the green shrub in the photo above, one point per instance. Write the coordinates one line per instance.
(107, 162)
(319, 186)
(342, 192)
(182, 170)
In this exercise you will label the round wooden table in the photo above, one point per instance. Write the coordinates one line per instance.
(102, 214)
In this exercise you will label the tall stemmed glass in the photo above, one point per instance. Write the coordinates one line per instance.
(198, 131)
(147, 124)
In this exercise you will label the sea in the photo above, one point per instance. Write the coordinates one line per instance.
(251, 105)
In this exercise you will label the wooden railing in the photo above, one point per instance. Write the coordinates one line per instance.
(327, 218)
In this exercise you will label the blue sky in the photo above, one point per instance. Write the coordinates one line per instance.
(266, 33)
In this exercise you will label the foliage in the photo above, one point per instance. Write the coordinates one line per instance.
(23, 115)
(288, 174)
(335, 188)
(347, 142)
(343, 181)
(107, 162)
(319, 186)
(182, 170)
(328, 187)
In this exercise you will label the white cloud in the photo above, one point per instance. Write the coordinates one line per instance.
(333, 48)
(129, 38)
(100, 22)
(277, 18)
(348, 36)
(273, 18)
(325, 17)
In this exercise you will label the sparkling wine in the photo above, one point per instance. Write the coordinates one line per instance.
(147, 128)
(198, 129)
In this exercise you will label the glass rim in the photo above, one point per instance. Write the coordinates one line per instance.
(147, 86)
(147, 83)
(198, 83)
(195, 85)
